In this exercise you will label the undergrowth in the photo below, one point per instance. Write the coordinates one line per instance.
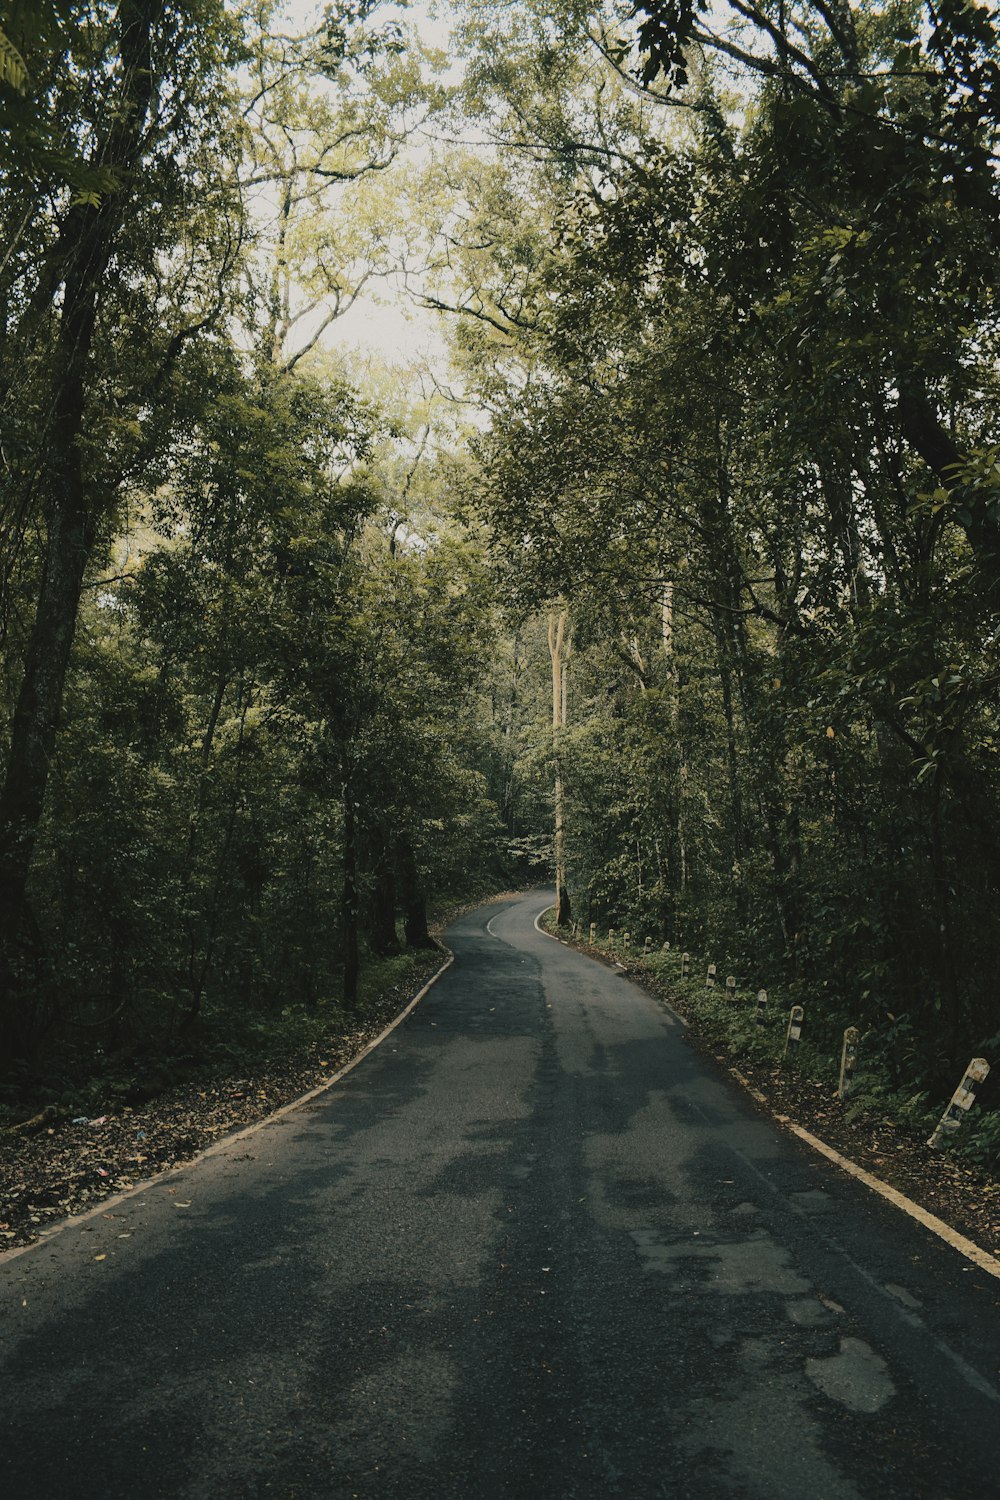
(218, 1046)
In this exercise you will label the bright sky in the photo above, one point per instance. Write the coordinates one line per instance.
(384, 322)
(393, 329)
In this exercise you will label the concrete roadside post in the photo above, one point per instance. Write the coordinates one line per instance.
(962, 1101)
(611, 937)
(762, 1007)
(848, 1061)
(794, 1033)
(685, 965)
(730, 987)
(665, 948)
(626, 940)
(710, 977)
(647, 945)
(593, 933)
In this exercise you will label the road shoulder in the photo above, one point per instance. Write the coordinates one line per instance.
(958, 1204)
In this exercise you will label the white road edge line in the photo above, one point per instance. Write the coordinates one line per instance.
(966, 1247)
(225, 1141)
(550, 935)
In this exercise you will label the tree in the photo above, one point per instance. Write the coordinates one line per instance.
(137, 84)
(559, 656)
(749, 334)
(329, 112)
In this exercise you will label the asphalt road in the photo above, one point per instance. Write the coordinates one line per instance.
(533, 1246)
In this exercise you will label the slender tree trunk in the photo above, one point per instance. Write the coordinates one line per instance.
(349, 903)
(78, 264)
(277, 331)
(509, 811)
(412, 898)
(733, 762)
(382, 911)
(200, 968)
(557, 650)
(673, 700)
(946, 939)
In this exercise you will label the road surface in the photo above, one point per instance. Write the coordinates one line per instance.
(532, 1246)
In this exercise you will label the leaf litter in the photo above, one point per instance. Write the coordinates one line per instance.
(68, 1165)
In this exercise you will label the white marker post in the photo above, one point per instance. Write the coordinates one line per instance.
(710, 977)
(593, 933)
(647, 945)
(685, 965)
(794, 1033)
(626, 940)
(611, 937)
(762, 1007)
(665, 948)
(730, 986)
(962, 1101)
(848, 1061)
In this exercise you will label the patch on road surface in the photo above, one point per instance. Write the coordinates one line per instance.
(756, 1264)
(857, 1377)
(747, 1434)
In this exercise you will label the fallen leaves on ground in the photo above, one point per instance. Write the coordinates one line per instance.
(69, 1165)
(966, 1199)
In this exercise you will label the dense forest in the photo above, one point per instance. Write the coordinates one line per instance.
(676, 574)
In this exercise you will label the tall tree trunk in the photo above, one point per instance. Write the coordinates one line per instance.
(952, 1010)
(412, 898)
(349, 903)
(508, 804)
(557, 653)
(78, 263)
(36, 714)
(674, 702)
(737, 826)
(382, 907)
(200, 965)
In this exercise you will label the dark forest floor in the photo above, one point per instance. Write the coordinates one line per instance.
(66, 1163)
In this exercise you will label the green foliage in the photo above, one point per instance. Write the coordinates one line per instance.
(13, 71)
(272, 740)
(754, 451)
(979, 1142)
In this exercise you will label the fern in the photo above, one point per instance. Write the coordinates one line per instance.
(12, 67)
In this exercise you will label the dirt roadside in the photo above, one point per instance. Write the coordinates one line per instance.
(64, 1165)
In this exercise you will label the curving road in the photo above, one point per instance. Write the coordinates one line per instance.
(532, 1246)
